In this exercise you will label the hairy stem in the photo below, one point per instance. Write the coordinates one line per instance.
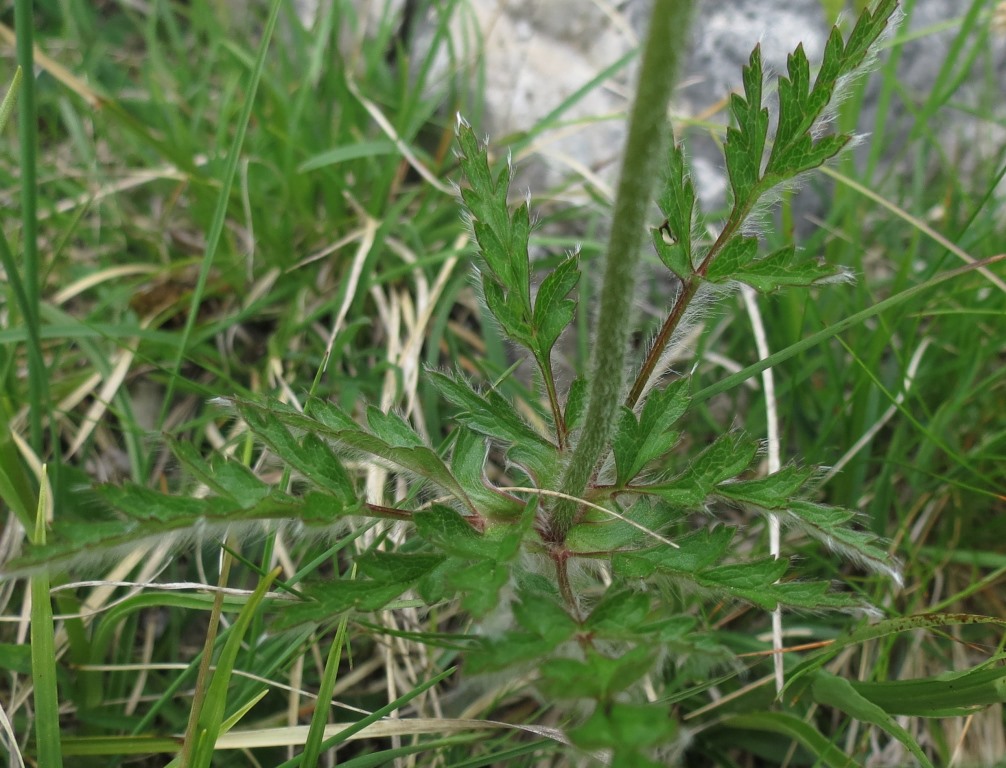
(688, 290)
(648, 125)
(553, 401)
(685, 296)
(561, 560)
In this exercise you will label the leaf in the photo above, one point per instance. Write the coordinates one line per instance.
(450, 532)
(620, 613)
(392, 429)
(502, 239)
(597, 676)
(492, 552)
(837, 692)
(771, 492)
(495, 417)
(327, 421)
(728, 456)
(480, 582)
(738, 261)
(695, 551)
(745, 143)
(468, 461)
(151, 515)
(815, 596)
(393, 567)
(829, 525)
(792, 727)
(310, 456)
(605, 533)
(503, 652)
(801, 106)
(737, 254)
(520, 261)
(512, 319)
(327, 413)
(553, 312)
(329, 600)
(673, 239)
(697, 560)
(485, 200)
(751, 581)
(799, 145)
(619, 724)
(544, 618)
(637, 443)
(224, 476)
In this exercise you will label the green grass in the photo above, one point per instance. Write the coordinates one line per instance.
(167, 269)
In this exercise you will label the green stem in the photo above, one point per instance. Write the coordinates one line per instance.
(648, 126)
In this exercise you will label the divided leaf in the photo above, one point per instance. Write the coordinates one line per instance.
(726, 458)
(309, 456)
(151, 515)
(222, 475)
(327, 421)
(597, 676)
(795, 150)
(830, 526)
(505, 263)
(606, 533)
(638, 442)
(450, 532)
(798, 146)
(621, 613)
(698, 559)
(494, 416)
(629, 728)
(699, 549)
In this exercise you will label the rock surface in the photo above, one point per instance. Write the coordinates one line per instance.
(538, 53)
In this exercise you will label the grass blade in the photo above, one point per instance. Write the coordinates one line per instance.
(43, 649)
(826, 753)
(7, 107)
(220, 214)
(28, 140)
(851, 321)
(319, 719)
(211, 715)
(387, 709)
